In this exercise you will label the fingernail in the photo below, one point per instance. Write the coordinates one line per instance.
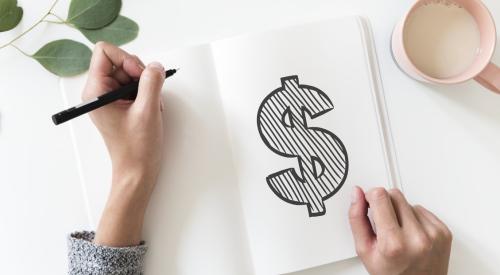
(355, 195)
(157, 66)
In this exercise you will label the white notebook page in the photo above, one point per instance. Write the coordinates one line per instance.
(328, 55)
(194, 222)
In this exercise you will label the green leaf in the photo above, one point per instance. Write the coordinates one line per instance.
(93, 14)
(10, 14)
(119, 32)
(64, 57)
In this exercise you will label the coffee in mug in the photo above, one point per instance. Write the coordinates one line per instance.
(447, 42)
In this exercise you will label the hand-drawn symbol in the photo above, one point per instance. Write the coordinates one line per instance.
(322, 157)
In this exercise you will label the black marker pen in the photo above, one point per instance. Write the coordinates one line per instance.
(128, 91)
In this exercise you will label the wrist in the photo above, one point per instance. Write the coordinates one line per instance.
(133, 170)
(133, 186)
(133, 175)
(122, 219)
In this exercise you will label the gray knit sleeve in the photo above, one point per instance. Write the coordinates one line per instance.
(85, 257)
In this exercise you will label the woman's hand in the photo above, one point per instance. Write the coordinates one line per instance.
(408, 240)
(133, 134)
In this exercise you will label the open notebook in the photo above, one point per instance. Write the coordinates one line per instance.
(267, 134)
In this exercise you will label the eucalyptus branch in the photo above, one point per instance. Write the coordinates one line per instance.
(96, 20)
(30, 28)
(54, 22)
(21, 51)
(61, 20)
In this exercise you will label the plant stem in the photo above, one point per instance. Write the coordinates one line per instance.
(54, 22)
(58, 17)
(21, 51)
(23, 33)
(30, 28)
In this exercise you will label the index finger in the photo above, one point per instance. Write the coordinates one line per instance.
(384, 215)
(105, 58)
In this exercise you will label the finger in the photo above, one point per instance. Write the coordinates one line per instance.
(430, 228)
(131, 69)
(139, 61)
(110, 65)
(424, 221)
(105, 58)
(133, 66)
(94, 88)
(150, 84)
(404, 211)
(429, 215)
(121, 76)
(361, 228)
(384, 215)
(434, 226)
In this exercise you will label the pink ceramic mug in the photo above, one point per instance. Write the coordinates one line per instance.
(482, 70)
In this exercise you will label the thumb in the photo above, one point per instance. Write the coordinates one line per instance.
(361, 228)
(150, 84)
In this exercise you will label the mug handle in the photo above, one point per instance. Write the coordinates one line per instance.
(490, 77)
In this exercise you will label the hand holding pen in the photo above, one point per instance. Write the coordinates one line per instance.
(133, 133)
(127, 91)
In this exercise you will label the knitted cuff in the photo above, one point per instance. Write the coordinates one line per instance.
(85, 257)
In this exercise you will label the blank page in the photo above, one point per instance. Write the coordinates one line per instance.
(194, 222)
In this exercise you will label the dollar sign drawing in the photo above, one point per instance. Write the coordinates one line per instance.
(322, 156)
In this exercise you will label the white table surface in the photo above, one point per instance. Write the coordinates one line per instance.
(447, 138)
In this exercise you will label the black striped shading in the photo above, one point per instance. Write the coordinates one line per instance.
(322, 157)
